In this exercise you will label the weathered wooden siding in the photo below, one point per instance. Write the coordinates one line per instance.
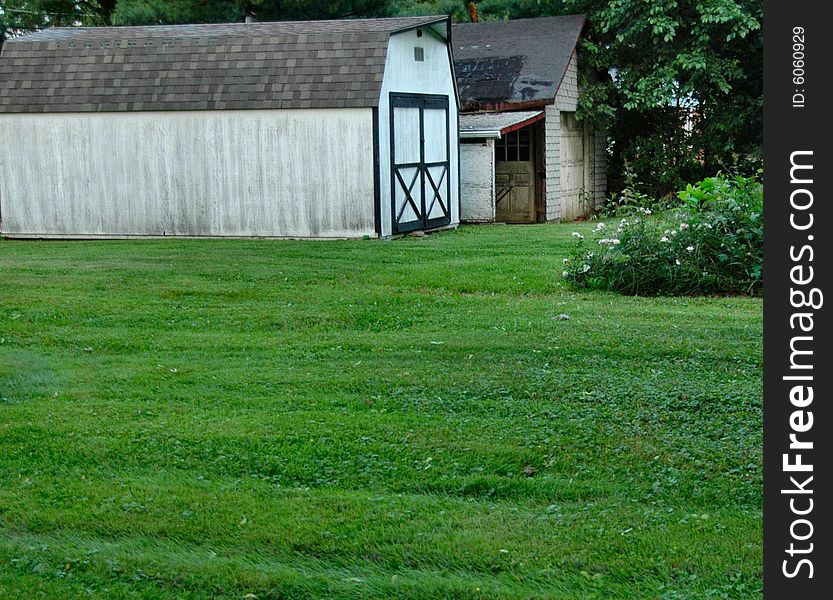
(595, 150)
(565, 100)
(403, 74)
(599, 168)
(297, 173)
(477, 182)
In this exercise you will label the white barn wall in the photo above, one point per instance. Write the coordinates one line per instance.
(403, 74)
(296, 173)
(477, 181)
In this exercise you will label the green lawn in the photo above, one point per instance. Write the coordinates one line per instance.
(369, 419)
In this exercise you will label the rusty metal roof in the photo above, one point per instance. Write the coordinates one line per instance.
(300, 64)
(513, 64)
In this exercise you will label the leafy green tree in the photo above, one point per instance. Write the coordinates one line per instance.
(678, 83)
(487, 10)
(282, 10)
(145, 12)
(160, 12)
(18, 17)
(456, 8)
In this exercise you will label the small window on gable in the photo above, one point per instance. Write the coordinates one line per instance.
(419, 54)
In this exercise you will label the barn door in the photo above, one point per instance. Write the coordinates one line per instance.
(420, 178)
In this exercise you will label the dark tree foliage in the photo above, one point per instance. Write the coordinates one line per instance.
(487, 10)
(144, 12)
(684, 94)
(282, 10)
(18, 17)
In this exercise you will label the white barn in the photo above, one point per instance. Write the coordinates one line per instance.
(525, 157)
(294, 129)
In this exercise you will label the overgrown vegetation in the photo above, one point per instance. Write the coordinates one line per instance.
(434, 417)
(710, 243)
(679, 85)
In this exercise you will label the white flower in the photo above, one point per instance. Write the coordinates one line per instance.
(577, 235)
(673, 232)
(585, 268)
(566, 261)
(663, 239)
(678, 261)
(690, 248)
(598, 227)
(565, 274)
(683, 226)
(609, 242)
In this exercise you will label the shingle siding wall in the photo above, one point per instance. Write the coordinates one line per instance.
(566, 99)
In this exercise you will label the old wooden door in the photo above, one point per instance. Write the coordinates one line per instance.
(515, 177)
(572, 167)
(420, 147)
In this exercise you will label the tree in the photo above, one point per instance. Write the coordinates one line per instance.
(679, 85)
(487, 10)
(147, 12)
(18, 17)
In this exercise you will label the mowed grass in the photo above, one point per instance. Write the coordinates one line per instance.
(369, 419)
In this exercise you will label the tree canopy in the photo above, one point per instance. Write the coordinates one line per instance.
(679, 84)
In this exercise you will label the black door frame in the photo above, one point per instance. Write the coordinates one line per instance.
(422, 102)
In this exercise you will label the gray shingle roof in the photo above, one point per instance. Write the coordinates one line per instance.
(520, 62)
(299, 64)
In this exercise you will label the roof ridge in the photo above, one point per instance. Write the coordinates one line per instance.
(257, 27)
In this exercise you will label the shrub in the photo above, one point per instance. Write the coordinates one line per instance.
(711, 244)
(631, 201)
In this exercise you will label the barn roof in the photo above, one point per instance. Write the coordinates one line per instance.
(513, 64)
(297, 64)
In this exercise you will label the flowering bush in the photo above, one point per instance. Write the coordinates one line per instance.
(712, 244)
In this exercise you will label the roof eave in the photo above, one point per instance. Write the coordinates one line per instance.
(444, 20)
(506, 106)
(479, 134)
